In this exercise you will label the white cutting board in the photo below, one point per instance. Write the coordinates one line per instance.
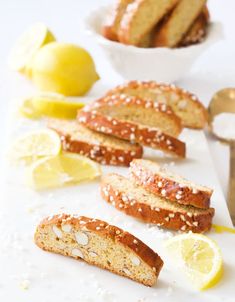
(51, 277)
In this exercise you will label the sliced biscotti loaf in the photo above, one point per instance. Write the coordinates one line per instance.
(140, 17)
(178, 23)
(141, 111)
(184, 104)
(150, 137)
(112, 22)
(168, 185)
(135, 201)
(198, 29)
(102, 148)
(100, 244)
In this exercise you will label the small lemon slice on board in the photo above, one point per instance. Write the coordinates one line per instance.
(61, 170)
(198, 256)
(34, 145)
(27, 45)
(50, 105)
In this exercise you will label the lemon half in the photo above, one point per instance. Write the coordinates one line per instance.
(61, 170)
(199, 257)
(51, 105)
(27, 45)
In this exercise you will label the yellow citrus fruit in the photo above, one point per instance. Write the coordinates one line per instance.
(63, 68)
(61, 170)
(35, 144)
(27, 45)
(50, 105)
(198, 256)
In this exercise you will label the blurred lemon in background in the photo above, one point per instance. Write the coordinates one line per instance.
(27, 45)
(63, 68)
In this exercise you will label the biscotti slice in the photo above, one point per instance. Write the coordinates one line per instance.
(141, 111)
(168, 185)
(140, 17)
(149, 137)
(198, 29)
(102, 148)
(112, 22)
(184, 104)
(100, 244)
(179, 22)
(135, 201)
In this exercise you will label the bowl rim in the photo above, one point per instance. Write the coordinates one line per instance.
(215, 33)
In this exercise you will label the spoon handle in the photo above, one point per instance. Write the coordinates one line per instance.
(231, 192)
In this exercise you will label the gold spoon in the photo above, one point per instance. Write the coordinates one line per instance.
(224, 102)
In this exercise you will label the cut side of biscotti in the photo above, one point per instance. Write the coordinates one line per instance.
(98, 243)
(140, 17)
(168, 185)
(133, 132)
(135, 201)
(102, 148)
(111, 24)
(178, 23)
(198, 29)
(141, 111)
(184, 104)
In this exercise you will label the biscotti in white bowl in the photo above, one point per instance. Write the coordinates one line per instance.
(160, 64)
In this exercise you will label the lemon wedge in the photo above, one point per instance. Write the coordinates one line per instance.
(35, 144)
(61, 170)
(50, 105)
(198, 256)
(27, 45)
(63, 68)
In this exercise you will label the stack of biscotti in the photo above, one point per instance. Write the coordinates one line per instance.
(183, 103)
(136, 120)
(98, 243)
(153, 23)
(155, 195)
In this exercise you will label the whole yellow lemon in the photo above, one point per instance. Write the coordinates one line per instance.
(63, 68)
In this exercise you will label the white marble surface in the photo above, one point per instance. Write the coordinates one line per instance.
(214, 70)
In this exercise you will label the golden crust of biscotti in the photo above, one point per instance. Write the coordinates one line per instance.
(140, 17)
(150, 137)
(165, 184)
(198, 30)
(166, 214)
(167, 35)
(112, 22)
(175, 97)
(99, 151)
(104, 230)
(160, 115)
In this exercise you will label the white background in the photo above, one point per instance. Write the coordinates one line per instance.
(214, 70)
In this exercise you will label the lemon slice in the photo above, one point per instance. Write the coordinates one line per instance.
(36, 144)
(27, 45)
(61, 170)
(198, 256)
(51, 105)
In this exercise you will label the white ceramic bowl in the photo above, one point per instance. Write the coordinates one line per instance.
(160, 64)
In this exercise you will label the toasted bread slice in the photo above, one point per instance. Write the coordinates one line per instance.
(140, 17)
(179, 22)
(166, 184)
(112, 22)
(135, 201)
(100, 244)
(102, 148)
(184, 104)
(198, 30)
(150, 137)
(141, 111)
